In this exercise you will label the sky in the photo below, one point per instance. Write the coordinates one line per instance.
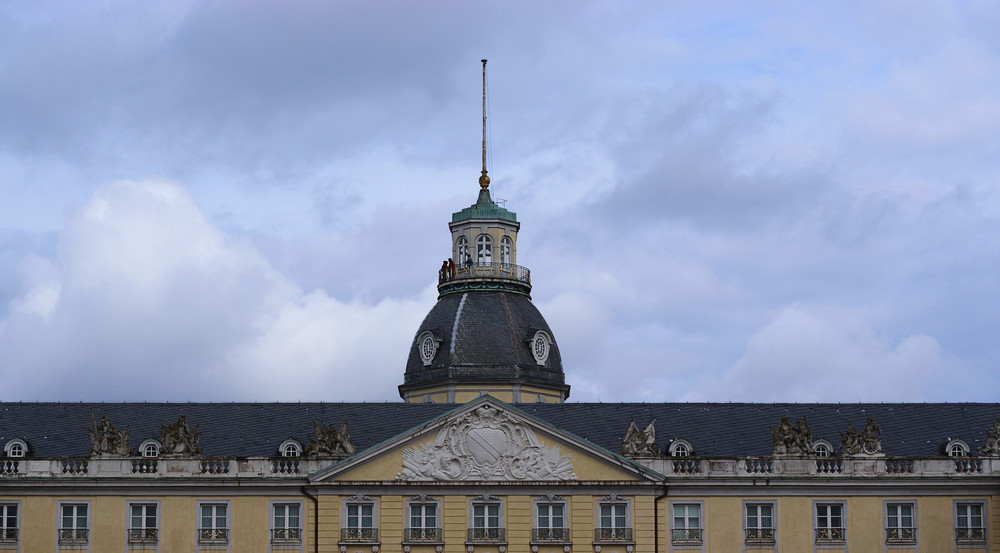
(720, 201)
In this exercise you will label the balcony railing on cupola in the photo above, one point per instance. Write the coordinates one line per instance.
(486, 277)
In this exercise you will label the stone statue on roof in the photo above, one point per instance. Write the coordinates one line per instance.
(178, 439)
(791, 439)
(866, 442)
(638, 443)
(992, 447)
(106, 439)
(328, 441)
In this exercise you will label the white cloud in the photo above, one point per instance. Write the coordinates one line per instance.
(146, 294)
(814, 353)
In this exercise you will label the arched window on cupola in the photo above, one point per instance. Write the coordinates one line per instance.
(484, 249)
(505, 249)
(462, 249)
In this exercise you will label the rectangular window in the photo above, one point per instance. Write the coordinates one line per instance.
(423, 522)
(830, 522)
(759, 522)
(614, 523)
(899, 523)
(687, 523)
(73, 523)
(213, 523)
(486, 522)
(8, 523)
(551, 522)
(142, 527)
(969, 523)
(286, 525)
(360, 523)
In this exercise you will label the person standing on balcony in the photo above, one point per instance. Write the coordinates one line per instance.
(468, 262)
(443, 272)
(451, 268)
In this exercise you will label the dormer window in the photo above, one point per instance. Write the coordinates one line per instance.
(290, 448)
(822, 448)
(957, 448)
(149, 448)
(680, 448)
(16, 448)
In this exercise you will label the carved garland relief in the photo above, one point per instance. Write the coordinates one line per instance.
(485, 444)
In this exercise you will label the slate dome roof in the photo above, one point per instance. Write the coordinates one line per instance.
(483, 336)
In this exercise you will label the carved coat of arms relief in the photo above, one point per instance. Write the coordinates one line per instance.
(485, 444)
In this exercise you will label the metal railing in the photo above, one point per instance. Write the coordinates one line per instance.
(612, 534)
(286, 534)
(506, 271)
(759, 534)
(423, 534)
(687, 535)
(550, 534)
(213, 535)
(830, 534)
(900, 535)
(143, 535)
(74, 535)
(487, 534)
(8, 535)
(359, 534)
(970, 534)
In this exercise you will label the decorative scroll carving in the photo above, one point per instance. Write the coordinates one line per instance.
(792, 440)
(992, 447)
(485, 444)
(638, 443)
(328, 441)
(867, 442)
(106, 439)
(178, 439)
(360, 498)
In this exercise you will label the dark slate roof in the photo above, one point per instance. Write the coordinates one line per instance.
(490, 340)
(713, 429)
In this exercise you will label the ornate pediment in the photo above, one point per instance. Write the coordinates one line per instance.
(485, 444)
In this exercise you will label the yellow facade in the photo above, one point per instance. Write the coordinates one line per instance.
(592, 487)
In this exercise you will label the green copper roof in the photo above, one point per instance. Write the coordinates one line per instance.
(484, 208)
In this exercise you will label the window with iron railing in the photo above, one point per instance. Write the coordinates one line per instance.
(899, 523)
(486, 523)
(423, 523)
(830, 522)
(73, 523)
(360, 523)
(759, 523)
(614, 523)
(213, 523)
(969, 523)
(142, 526)
(8, 523)
(686, 523)
(550, 523)
(286, 523)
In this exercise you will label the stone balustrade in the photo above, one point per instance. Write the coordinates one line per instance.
(824, 467)
(165, 467)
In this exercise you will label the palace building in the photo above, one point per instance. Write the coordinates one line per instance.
(484, 454)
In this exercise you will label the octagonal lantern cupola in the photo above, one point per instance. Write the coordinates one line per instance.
(484, 336)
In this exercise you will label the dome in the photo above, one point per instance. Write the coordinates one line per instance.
(484, 342)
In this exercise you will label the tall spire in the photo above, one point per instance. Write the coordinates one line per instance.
(484, 179)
